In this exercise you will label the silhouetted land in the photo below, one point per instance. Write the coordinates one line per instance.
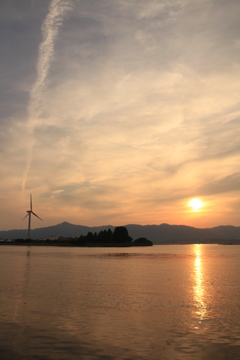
(118, 237)
(157, 234)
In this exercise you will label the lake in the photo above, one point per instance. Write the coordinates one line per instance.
(159, 302)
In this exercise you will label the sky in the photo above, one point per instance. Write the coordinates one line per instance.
(117, 112)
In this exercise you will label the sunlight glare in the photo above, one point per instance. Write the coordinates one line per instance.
(196, 204)
(199, 288)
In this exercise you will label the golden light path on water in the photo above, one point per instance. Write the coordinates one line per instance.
(199, 291)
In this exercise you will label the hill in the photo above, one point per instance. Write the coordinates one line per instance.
(158, 234)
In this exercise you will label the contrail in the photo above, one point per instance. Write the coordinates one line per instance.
(50, 29)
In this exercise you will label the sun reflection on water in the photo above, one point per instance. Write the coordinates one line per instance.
(198, 287)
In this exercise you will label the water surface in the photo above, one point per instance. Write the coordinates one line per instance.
(160, 302)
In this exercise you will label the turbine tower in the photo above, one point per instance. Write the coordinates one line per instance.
(29, 213)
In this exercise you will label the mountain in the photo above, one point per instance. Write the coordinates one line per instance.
(158, 234)
(64, 229)
(166, 233)
(230, 232)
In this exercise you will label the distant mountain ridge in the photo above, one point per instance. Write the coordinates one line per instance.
(158, 234)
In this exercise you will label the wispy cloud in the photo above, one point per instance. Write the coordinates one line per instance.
(50, 29)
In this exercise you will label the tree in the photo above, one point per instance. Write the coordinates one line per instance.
(89, 237)
(120, 235)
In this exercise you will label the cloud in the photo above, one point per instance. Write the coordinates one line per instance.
(163, 12)
(230, 183)
(50, 28)
(135, 107)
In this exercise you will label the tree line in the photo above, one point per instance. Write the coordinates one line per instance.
(118, 236)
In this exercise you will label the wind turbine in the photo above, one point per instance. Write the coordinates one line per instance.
(29, 213)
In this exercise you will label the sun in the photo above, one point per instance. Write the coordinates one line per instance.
(196, 204)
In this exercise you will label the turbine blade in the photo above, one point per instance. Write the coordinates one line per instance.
(25, 217)
(31, 202)
(36, 215)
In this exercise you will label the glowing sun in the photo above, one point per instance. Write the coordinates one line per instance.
(196, 204)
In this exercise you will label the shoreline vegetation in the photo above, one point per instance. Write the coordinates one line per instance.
(105, 238)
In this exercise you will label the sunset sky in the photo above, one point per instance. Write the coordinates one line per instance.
(120, 112)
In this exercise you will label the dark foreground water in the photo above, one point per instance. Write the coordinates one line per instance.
(160, 302)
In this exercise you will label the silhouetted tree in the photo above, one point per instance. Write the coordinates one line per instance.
(109, 235)
(95, 238)
(89, 237)
(142, 242)
(120, 235)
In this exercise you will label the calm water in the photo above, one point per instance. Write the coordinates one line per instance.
(160, 302)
